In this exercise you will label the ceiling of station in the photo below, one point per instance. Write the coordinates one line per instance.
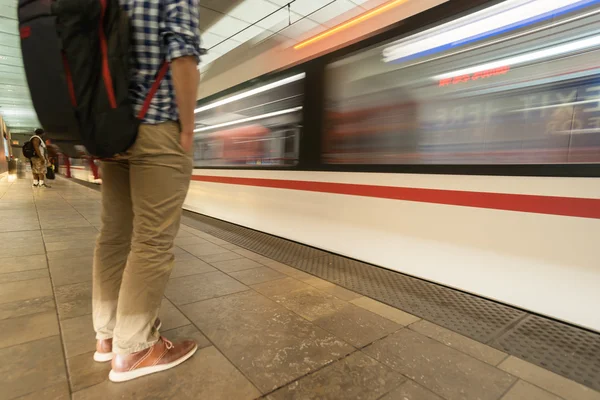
(224, 25)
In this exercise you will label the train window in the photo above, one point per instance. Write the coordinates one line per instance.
(259, 126)
(474, 91)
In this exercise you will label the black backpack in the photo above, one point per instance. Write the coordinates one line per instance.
(76, 57)
(28, 150)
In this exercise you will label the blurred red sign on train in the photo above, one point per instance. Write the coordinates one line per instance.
(474, 76)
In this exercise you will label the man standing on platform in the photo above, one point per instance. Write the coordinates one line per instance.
(143, 193)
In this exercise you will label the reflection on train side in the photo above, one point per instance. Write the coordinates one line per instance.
(248, 145)
(416, 112)
(260, 126)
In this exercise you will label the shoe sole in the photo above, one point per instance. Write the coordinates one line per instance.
(106, 357)
(138, 373)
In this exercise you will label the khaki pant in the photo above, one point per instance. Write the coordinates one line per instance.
(142, 198)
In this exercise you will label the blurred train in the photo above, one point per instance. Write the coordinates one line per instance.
(461, 146)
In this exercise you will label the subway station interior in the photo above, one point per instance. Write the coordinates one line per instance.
(390, 200)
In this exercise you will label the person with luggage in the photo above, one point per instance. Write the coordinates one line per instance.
(39, 160)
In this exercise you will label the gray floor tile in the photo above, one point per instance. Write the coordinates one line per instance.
(191, 266)
(187, 332)
(24, 275)
(188, 240)
(356, 377)
(78, 335)
(85, 372)
(59, 391)
(459, 342)
(341, 293)
(441, 369)
(15, 250)
(257, 275)
(66, 271)
(226, 256)
(87, 233)
(189, 289)
(391, 313)
(25, 263)
(74, 300)
(548, 380)
(171, 317)
(87, 251)
(270, 344)
(356, 325)
(27, 307)
(28, 328)
(207, 375)
(281, 287)
(236, 265)
(33, 366)
(411, 391)
(200, 250)
(307, 302)
(73, 245)
(526, 391)
(23, 290)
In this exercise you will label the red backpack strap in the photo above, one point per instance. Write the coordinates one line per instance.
(164, 68)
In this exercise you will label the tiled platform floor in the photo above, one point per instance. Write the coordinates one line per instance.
(266, 330)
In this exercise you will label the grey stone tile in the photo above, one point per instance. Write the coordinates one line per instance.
(231, 246)
(459, 342)
(86, 233)
(207, 375)
(447, 372)
(252, 255)
(171, 317)
(281, 287)
(191, 266)
(236, 265)
(357, 376)
(73, 245)
(189, 289)
(341, 292)
(187, 332)
(31, 368)
(304, 300)
(31, 248)
(547, 380)
(184, 233)
(24, 275)
(257, 275)
(191, 239)
(66, 271)
(225, 256)
(269, 344)
(315, 281)
(74, 300)
(53, 223)
(78, 335)
(23, 290)
(200, 250)
(216, 240)
(85, 372)
(87, 251)
(391, 313)
(59, 391)
(526, 391)
(25, 263)
(27, 307)
(28, 328)
(411, 391)
(287, 270)
(356, 325)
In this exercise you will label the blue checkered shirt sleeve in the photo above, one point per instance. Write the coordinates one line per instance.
(179, 29)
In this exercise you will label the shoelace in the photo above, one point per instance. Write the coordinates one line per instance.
(168, 343)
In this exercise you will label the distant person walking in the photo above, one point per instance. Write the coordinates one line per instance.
(39, 162)
(143, 192)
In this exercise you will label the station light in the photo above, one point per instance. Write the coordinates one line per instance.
(252, 92)
(525, 58)
(351, 22)
(507, 16)
(249, 119)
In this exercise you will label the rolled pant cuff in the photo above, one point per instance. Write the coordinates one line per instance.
(133, 349)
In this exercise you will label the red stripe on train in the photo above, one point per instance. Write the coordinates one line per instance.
(551, 205)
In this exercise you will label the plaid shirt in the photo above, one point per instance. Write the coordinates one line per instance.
(161, 30)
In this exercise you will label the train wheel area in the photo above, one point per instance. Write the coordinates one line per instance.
(274, 319)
